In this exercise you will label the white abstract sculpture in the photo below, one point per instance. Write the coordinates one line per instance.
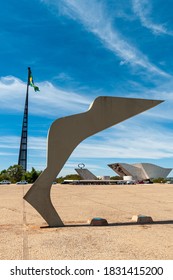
(66, 133)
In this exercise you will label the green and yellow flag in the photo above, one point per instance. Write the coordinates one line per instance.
(31, 82)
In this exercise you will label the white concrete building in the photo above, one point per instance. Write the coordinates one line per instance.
(140, 171)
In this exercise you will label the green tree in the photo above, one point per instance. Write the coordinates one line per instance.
(159, 180)
(4, 175)
(72, 177)
(60, 180)
(116, 178)
(15, 173)
(32, 175)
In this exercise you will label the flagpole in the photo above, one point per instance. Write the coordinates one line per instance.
(22, 160)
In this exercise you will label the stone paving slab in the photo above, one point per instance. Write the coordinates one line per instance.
(25, 235)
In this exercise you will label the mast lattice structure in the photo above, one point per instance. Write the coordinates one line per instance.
(24, 135)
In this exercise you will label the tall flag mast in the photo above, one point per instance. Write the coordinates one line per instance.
(24, 136)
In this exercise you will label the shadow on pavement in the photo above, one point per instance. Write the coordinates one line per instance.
(166, 222)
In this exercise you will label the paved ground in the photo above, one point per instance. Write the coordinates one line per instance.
(24, 235)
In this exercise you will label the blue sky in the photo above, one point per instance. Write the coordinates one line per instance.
(78, 50)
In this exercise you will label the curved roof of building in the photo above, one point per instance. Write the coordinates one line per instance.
(140, 171)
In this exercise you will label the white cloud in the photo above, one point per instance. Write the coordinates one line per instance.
(142, 8)
(92, 14)
(163, 91)
(123, 62)
(9, 142)
(63, 77)
(50, 101)
(126, 140)
(136, 138)
(9, 150)
(37, 143)
(55, 102)
(129, 140)
(7, 154)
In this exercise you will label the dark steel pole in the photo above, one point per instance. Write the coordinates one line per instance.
(24, 136)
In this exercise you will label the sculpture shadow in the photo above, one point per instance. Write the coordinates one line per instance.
(163, 222)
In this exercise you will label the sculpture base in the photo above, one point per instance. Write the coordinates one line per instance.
(98, 222)
(142, 219)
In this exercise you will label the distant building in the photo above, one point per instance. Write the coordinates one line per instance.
(85, 174)
(140, 171)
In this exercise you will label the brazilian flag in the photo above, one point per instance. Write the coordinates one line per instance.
(31, 82)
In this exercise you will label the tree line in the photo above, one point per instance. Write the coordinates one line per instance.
(15, 173)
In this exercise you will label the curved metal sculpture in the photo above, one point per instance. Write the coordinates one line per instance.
(66, 133)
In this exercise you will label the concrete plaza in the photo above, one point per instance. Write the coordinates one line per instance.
(24, 234)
